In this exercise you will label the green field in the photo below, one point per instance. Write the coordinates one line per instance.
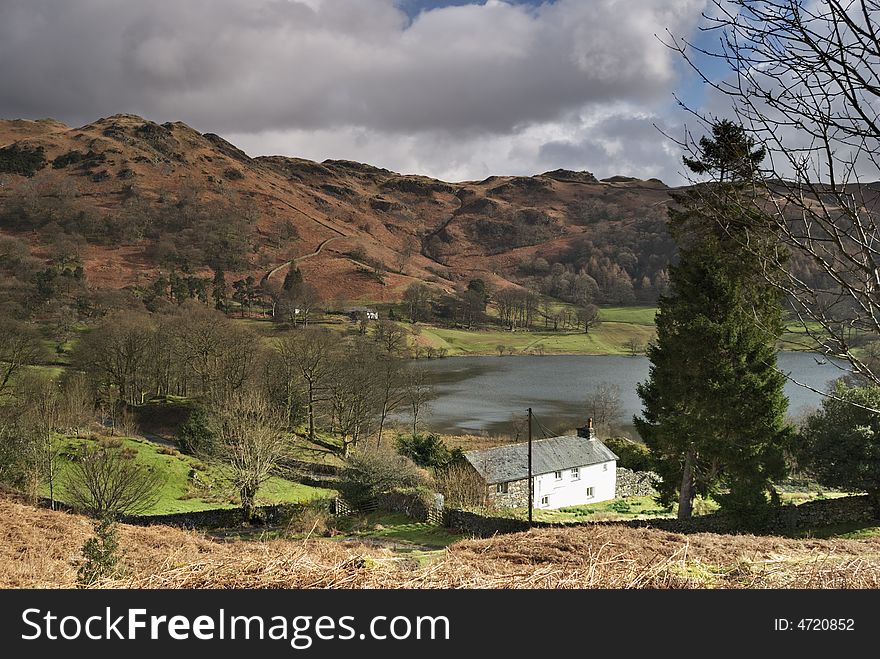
(618, 327)
(609, 338)
(624, 508)
(399, 529)
(191, 485)
(632, 315)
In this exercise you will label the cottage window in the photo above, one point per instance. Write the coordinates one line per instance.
(501, 488)
(589, 491)
(575, 473)
(558, 475)
(545, 501)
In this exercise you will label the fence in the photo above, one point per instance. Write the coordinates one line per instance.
(415, 504)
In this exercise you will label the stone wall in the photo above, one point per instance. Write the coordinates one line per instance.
(218, 518)
(203, 519)
(788, 519)
(411, 504)
(636, 483)
(471, 523)
(517, 495)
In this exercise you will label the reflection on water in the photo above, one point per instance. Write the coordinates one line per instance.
(483, 395)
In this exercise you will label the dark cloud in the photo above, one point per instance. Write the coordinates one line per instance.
(481, 74)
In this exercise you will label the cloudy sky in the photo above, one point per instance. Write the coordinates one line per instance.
(448, 88)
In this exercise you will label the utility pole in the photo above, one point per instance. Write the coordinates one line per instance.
(531, 485)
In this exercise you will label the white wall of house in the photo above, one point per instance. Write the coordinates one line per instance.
(573, 489)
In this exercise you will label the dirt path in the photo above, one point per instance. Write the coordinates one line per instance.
(317, 251)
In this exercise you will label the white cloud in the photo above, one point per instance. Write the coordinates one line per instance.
(452, 92)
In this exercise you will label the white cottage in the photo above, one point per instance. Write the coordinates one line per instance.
(570, 470)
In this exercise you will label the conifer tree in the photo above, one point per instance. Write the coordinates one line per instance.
(220, 290)
(713, 404)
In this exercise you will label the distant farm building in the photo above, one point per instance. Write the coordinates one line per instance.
(362, 313)
(570, 470)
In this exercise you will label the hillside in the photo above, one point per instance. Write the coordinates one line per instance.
(127, 198)
(39, 548)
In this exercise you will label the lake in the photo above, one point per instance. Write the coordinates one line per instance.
(484, 395)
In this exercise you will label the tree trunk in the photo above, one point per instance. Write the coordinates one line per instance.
(311, 412)
(382, 418)
(247, 503)
(686, 496)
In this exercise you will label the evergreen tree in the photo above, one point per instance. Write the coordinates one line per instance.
(220, 290)
(293, 279)
(839, 444)
(179, 288)
(713, 404)
(160, 286)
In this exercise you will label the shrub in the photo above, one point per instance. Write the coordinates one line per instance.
(197, 435)
(840, 443)
(15, 159)
(620, 506)
(373, 472)
(460, 486)
(232, 174)
(428, 450)
(109, 481)
(630, 454)
(313, 519)
(69, 158)
(101, 554)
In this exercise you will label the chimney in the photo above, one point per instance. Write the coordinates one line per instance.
(587, 431)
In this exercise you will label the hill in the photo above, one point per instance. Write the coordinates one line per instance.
(125, 198)
(39, 548)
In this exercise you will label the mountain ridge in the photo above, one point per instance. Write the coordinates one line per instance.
(122, 172)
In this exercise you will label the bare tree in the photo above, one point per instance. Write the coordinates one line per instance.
(107, 480)
(804, 80)
(219, 355)
(309, 356)
(604, 406)
(116, 354)
(354, 393)
(635, 347)
(390, 337)
(419, 393)
(461, 486)
(251, 442)
(19, 346)
(588, 316)
(41, 397)
(77, 403)
(417, 297)
(391, 390)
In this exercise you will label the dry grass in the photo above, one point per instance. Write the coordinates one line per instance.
(39, 548)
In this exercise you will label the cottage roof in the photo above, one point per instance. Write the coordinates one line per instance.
(511, 462)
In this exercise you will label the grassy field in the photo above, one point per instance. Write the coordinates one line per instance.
(624, 508)
(191, 485)
(646, 508)
(399, 528)
(608, 339)
(629, 315)
(619, 326)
